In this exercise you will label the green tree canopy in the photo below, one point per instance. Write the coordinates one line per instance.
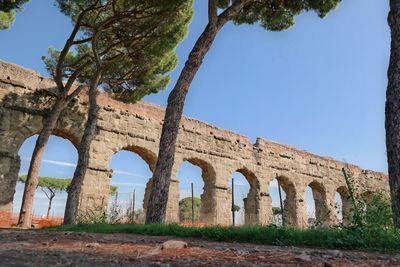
(7, 12)
(185, 209)
(59, 183)
(50, 182)
(133, 42)
(126, 47)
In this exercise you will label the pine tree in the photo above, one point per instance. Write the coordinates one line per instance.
(125, 47)
(274, 15)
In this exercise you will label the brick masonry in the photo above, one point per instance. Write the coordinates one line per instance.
(26, 98)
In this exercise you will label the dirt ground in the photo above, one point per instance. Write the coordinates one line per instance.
(40, 248)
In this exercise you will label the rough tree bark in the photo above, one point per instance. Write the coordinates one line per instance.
(392, 111)
(157, 206)
(32, 179)
(74, 191)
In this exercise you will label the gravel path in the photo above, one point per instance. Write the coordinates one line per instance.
(41, 248)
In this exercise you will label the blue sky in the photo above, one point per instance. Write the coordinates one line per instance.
(319, 86)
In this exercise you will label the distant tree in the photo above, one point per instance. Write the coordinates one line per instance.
(276, 211)
(56, 185)
(236, 208)
(392, 118)
(274, 15)
(7, 12)
(185, 209)
(50, 186)
(124, 46)
(113, 190)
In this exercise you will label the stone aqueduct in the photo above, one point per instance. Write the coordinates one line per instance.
(25, 99)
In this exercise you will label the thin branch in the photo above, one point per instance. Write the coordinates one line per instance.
(76, 92)
(45, 193)
(231, 11)
(67, 46)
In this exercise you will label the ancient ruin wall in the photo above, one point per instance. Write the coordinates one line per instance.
(26, 98)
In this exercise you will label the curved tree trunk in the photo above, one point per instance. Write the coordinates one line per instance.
(32, 179)
(156, 209)
(392, 111)
(74, 191)
(52, 195)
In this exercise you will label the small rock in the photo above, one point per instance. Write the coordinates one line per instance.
(174, 244)
(92, 245)
(304, 257)
(45, 243)
(334, 253)
(24, 244)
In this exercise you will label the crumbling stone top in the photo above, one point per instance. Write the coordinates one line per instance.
(28, 79)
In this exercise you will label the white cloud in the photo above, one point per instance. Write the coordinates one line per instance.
(54, 162)
(128, 184)
(129, 174)
(73, 165)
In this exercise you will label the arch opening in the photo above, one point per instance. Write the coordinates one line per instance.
(59, 162)
(199, 174)
(130, 184)
(317, 211)
(287, 216)
(245, 193)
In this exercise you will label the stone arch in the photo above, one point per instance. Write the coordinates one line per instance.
(289, 213)
(252, 201)
(346, 204)
(149, 157)
(16, 134)
(207, 170)
(19, 137)
(208, 176)
(63, 169)
(146, 154)
(322, 212)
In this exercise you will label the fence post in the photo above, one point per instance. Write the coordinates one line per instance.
(192, 204)
(280, 200)
(133, 205)
(233, 202)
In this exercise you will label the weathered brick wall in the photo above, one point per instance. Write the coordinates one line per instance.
(26, 97)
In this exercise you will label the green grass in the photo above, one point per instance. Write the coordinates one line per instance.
(334, 238)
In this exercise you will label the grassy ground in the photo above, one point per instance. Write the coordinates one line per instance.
(382, 240)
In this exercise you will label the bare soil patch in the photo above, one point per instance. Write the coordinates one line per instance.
(43, 248)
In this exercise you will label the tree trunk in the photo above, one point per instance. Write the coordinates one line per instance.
(392, 111)
(32, 179)
(157, 206)
(50, 202)
(74, 191)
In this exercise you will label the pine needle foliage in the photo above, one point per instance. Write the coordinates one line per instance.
(132, 43)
